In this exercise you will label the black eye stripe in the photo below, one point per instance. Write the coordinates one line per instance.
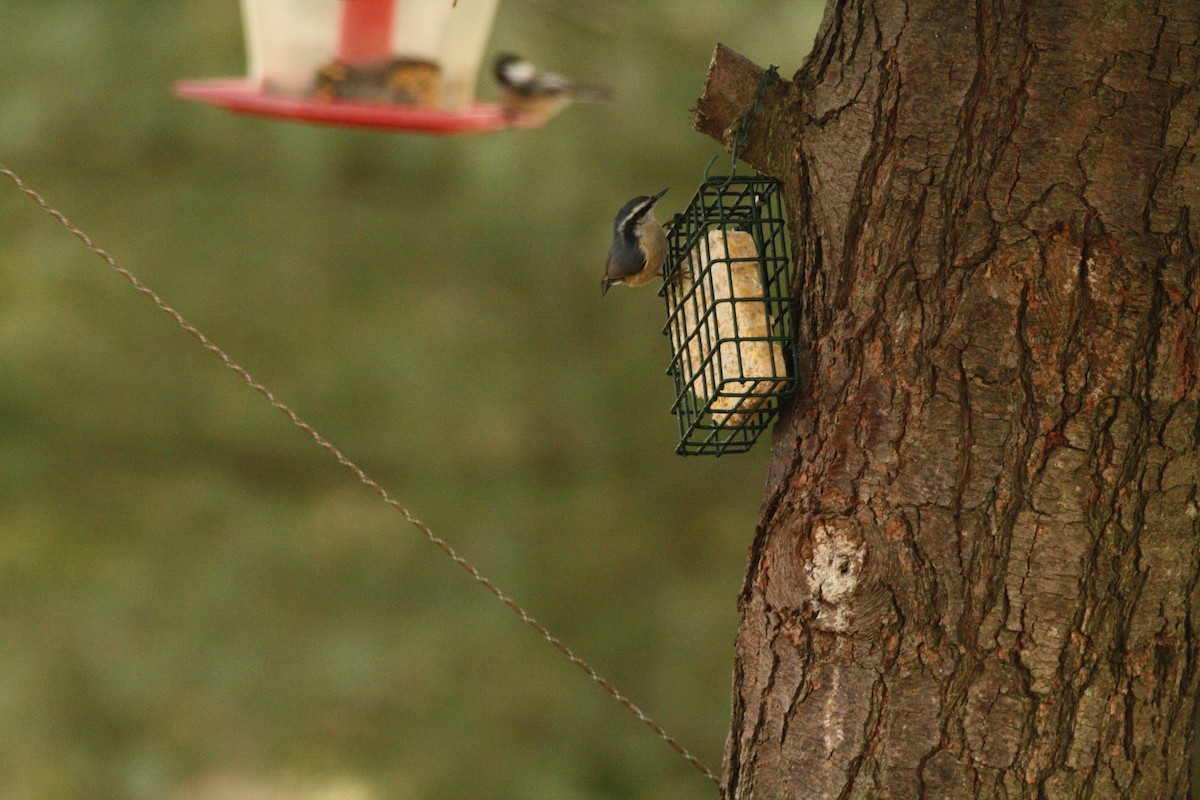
(635, 216)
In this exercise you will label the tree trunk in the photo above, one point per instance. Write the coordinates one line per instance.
(977, 564)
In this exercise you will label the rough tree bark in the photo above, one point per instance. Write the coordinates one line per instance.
(977, 564)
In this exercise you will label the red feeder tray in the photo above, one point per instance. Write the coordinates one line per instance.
(243, 97)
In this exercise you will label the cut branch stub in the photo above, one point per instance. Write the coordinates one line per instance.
(729, 91)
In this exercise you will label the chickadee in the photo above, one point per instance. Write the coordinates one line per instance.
(524, 91)
(639, 245)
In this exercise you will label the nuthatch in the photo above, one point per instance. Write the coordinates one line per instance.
(639, 245)
(525, 91)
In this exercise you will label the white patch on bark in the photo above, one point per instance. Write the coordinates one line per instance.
(832, 573)
(834, 716)
(1095, 284)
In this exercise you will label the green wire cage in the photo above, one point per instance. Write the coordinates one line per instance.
(727, 287)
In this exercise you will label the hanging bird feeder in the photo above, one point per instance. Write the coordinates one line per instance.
(400, 65)
(727, 288)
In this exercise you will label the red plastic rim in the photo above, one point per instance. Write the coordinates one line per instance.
(243, 97)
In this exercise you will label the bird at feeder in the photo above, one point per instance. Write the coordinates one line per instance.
(402, 81)
(639, 245)
(719, 320)
(526, 91)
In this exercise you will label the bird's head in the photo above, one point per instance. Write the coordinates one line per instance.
(512, 70)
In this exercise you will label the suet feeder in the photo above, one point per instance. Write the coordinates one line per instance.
(400, 65)
(727, 287)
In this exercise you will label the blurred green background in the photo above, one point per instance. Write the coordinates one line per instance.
(196, 602)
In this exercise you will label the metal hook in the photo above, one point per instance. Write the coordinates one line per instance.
(732, 171)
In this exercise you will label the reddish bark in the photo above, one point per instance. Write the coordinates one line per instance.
(976, 569)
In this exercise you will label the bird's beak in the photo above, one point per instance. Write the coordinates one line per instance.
(654, 199)
(604, 284)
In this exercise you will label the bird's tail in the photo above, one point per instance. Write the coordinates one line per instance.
(591, 94)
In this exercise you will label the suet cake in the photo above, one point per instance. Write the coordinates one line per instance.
(718, 321)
